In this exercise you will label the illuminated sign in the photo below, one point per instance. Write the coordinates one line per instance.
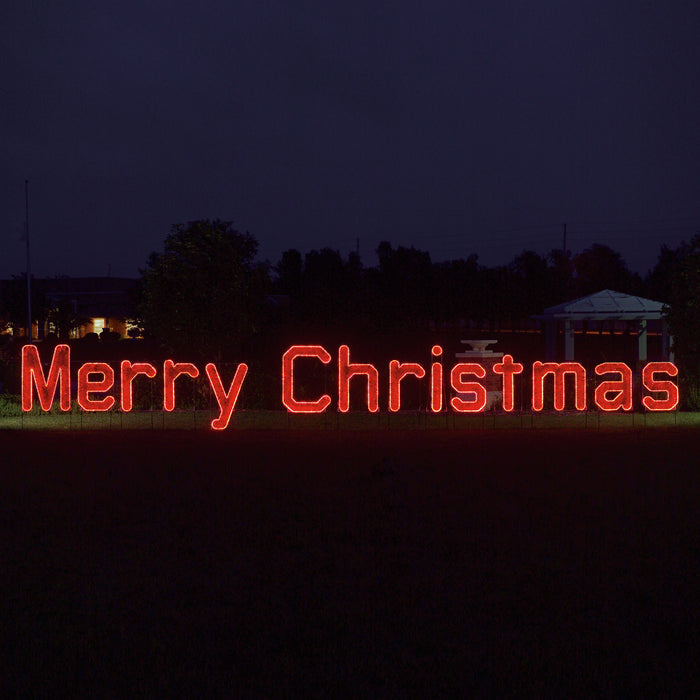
(95, 381)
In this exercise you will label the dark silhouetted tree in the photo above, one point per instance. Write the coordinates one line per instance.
(561, 267)
(289, 273)
(659, 281)
(404, 291)
(204, 295)
(455, 289)
(289, 270)
(529, 285)
(14, 302)
(600, 267)
(325, 296)
(683, 315)
(64, 317)
(323, 289)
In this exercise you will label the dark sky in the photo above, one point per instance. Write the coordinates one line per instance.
(456, 127)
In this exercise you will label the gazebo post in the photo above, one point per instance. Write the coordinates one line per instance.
(642, 339)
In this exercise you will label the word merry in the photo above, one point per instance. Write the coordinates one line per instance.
(59, 377)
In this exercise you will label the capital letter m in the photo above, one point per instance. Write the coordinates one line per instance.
(59, 373)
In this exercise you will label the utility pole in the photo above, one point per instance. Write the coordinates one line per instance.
(29, 278)
(563, 245)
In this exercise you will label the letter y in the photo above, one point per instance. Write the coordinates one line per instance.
(226, 401)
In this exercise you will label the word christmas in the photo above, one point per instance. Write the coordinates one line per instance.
(614, 393)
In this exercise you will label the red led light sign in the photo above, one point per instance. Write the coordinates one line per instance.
(95, 386)
(508, 369)
(98, 378)
(290, 403)
(620, 389)
(558, 370)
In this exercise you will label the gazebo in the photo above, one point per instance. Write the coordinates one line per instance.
(604, 306)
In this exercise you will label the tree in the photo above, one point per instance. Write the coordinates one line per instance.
(404, 286)
(529, 286)
(64, 317)
(561, 273)
(455, 285)
(325, 295)
(683, 314)
(600, 267)
(13, 304)
(203, 295)
(659, 280)
(289, 271)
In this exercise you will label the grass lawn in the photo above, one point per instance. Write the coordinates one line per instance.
(556, 561)
(333, 420)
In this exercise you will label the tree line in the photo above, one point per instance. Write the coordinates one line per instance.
(206, 294)
(207, 277)
(206, 290)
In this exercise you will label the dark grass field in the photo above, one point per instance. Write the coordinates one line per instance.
(388, 563)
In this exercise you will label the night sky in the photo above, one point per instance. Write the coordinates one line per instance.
(454, 127)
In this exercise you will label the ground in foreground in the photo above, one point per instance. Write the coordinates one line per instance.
(389, 562)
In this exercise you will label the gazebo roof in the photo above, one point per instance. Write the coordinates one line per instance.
(605, 305)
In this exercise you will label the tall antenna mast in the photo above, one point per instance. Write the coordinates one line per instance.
(29, 278)
(563, 246)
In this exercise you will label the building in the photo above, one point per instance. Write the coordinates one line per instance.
(71, 307)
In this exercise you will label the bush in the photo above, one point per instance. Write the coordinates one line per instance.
(689, 388)
(10, 405)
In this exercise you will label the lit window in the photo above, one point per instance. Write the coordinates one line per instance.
(98, 325)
